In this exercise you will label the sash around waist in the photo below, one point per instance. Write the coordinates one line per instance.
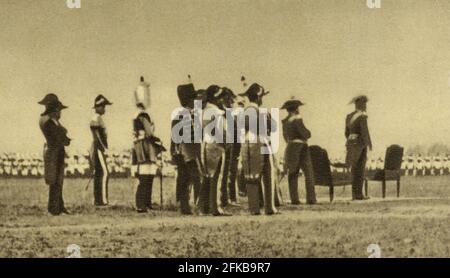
(300, 141)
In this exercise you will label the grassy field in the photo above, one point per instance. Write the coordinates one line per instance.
(415, 225)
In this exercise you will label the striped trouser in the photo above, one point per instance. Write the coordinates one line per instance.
(101, 178)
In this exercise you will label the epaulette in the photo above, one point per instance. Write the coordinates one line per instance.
(95, 121)
(295, 117)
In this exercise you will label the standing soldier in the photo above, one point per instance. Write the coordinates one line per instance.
(228, 194)
(212, 152)
(56, 137)
(98, 150)
(186, 155)
(358, 142)
(297, 155)
(146, 148)
(258, 167)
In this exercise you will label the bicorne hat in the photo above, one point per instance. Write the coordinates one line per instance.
(293, 102)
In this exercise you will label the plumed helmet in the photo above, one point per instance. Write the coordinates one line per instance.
(142, 93)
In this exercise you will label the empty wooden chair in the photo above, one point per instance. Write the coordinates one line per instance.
(391, 171)
(322, 171)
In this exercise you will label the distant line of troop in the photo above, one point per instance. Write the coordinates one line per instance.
(20, 165)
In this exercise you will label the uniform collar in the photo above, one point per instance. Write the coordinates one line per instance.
(252, 104)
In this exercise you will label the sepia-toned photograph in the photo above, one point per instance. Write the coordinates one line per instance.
(224, 129)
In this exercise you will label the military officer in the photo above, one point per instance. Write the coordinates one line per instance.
(186, 155)
(146, 148)
(99, 148)
(228, 192)
(57, 139)
(212, 151)
(259, 168)
(358, 142)
(297, 155)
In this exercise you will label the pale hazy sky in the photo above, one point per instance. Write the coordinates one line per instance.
(323, 51)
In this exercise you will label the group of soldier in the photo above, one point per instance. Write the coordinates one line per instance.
(208, 168)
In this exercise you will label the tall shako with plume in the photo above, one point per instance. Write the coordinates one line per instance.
(186, 93)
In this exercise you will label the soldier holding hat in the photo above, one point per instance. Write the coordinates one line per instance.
(56, 137)
(358, 142)
(297, 155)
(98, 149)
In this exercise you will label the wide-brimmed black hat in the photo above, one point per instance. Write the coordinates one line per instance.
(293, 102)
(255, 90)
(52, 107)
(49, 98)
(359, 98)
(100, 100)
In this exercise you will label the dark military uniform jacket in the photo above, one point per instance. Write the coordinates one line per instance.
(213, 152)
(56, 137)
(185, 151)
(357, 135)
(296, 136)
(146, 145)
